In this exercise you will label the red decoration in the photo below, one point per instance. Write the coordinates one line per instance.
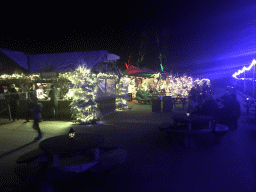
(127, 64)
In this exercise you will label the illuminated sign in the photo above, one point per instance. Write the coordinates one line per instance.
(49, 75)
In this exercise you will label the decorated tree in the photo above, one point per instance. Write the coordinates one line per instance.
(122, 90)
(83, 90)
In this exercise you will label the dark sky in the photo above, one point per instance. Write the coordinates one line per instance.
(193, 35)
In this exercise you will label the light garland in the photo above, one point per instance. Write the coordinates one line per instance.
(19, 77)
(173, 86)
(244, 69)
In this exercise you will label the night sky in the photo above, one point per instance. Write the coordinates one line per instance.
(213, 37)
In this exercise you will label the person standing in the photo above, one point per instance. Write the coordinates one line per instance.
(13, 101)
(29, 104)
(36, 111)
(53, 94)
(234, 111)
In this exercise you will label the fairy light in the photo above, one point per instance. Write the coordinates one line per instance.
(173, 86)
(244, 69)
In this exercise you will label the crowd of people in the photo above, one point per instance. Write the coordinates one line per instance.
(203, 103)
(33, 107)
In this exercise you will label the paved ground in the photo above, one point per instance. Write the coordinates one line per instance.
(153, 163)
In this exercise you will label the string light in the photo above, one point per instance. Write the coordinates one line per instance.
(173, 86)
(244, 69)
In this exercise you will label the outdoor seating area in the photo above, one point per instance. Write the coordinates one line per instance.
(67, 157)
(205, 117)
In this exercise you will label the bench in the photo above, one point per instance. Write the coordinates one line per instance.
(189, 140)
(164, 127)
(108, 147)
(144, 101)
(110, 160)
(36, 156)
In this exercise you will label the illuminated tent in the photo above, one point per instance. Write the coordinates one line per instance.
(137, 72)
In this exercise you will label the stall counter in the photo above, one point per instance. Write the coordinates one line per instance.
(47, 113)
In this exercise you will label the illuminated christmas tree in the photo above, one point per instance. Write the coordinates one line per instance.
(83, 90)
(121, 91)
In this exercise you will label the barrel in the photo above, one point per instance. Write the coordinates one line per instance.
(130, 96)
(167, 104)
(156, 103)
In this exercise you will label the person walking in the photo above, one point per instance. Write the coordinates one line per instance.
(13, 102)
(36, 111)
(53, 94)
(29, 104)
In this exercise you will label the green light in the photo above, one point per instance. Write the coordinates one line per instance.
(162, 68)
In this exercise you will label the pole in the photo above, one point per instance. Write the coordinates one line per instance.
(244, 81)
(253, 81)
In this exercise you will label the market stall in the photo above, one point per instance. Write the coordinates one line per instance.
(73, 91)
(144, 85)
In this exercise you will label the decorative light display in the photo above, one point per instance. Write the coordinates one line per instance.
(243, 70)
(122, 90)
(173, 86)
(20, 77)
(83, 91)
(128, 63)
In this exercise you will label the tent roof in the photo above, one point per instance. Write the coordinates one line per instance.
(9, 66)
(61, 62)
(19, 57)
(135, 71)
(65, 62)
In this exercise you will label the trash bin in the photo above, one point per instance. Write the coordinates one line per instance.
(167, 104)
(156, 103)
(130, 96)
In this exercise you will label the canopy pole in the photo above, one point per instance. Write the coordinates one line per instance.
(253, 81)
(244, 81)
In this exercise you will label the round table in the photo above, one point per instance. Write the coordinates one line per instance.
(193, 119)
(63, 145)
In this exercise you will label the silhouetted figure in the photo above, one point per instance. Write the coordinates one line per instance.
(29, 103)
(210, 108)
(13, 99)
(192, 103)
(36, 111)
(231, 111)
(53, 94)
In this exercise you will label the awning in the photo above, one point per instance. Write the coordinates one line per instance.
(137, 72)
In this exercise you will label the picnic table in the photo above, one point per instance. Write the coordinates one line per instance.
(83, 143)
(193, 120)
(191, 126)
(60, 157)
(179, 100)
